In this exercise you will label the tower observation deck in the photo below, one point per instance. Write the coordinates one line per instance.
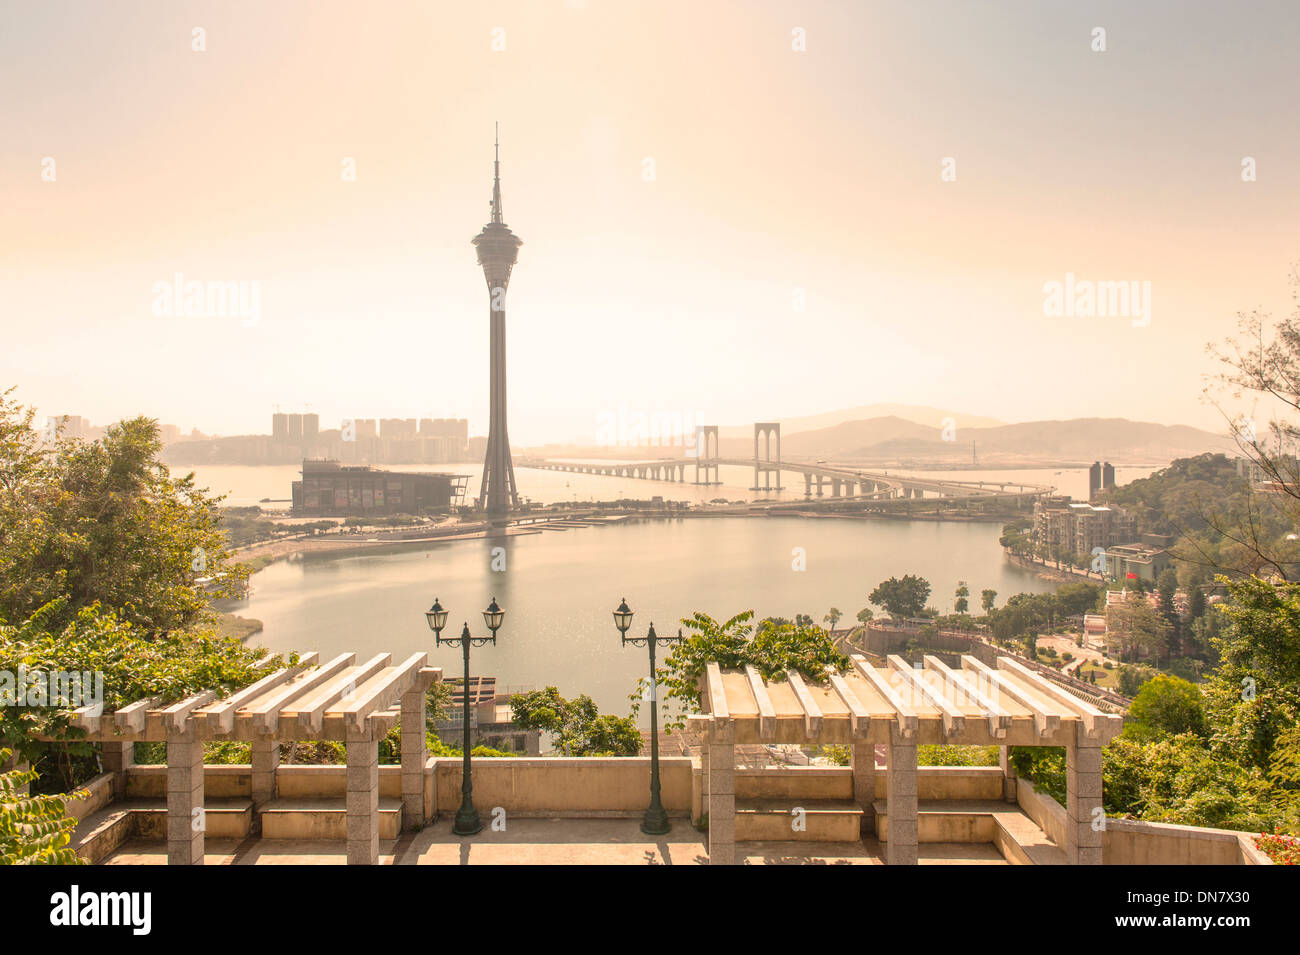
(498, 249)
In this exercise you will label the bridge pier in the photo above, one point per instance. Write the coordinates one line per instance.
(766, 464)
(706, 457)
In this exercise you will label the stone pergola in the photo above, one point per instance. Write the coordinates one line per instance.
(342, 700)
(901, 706)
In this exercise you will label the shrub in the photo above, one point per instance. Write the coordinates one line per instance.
(945, 755)
(34, 830)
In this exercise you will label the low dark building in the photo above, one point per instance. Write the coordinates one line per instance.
(330, 489)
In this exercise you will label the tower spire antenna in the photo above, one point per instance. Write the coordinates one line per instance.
(496, 177)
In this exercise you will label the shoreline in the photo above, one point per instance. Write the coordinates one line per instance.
(261, 555)
(1044, 572)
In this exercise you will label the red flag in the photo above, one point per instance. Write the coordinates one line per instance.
(1132, 576)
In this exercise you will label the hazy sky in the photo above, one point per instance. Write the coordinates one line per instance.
(778, 174)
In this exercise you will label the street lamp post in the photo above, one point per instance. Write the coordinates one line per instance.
(467, 821)
(656, 821)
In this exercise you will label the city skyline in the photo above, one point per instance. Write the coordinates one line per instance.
(685, 227)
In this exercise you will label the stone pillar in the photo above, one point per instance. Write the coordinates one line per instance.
(117, 759)
(863, 759)
(185, 822)
(266, 760)
(900, 781)
(1085, 822)
(415, 753)
(720, 778)
(1008, 774)
(363, 798)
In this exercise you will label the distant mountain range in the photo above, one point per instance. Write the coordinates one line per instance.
(894, 439)
(913, 435)
(917, 414)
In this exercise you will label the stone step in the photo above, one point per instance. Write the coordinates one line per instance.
(1021, 842)
(946, 820)
(956, 821)
(100, 833)
(819, 820)
(222, 818)
(297, 818)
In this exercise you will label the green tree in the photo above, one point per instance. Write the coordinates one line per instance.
(1167, 706)
(1195, 599)
(1134, 627)
(1077, 598)
(576, 725)
(1254, 696)
(961, 604)
(104, 522)
(865, 616)
(987, 597)
(1167, 588)
(832, 617)
(1132, 678)
(902, 597)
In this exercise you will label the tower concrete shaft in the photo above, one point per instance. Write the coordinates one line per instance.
(498, 249)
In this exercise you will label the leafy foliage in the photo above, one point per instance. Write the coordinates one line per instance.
(944, 755)
(1254, 696)
(1134, 627)
(104, 522)
(1167, 706)
(776, 647)
(902, 596)
(576, 725)
(173, 665)
(1026, 614)
(34, 830)
(1227, 757)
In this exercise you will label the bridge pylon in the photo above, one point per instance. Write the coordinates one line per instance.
(707, 452)
(765, 466)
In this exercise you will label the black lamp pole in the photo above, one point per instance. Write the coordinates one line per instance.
(467, 821)
(656, 821)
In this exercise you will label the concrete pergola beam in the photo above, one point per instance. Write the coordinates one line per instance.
(1046, 722)
(1097, 725)
(859, 717)
(766, 714)
(999, 718)
(382, 690)
(131, 718)
(905, 717)
(309, 710)
(812, 713)
(219, 717)
(263, 715)
(954, 720)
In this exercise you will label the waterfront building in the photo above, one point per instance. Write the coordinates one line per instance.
(329, 488)
(1079, 527)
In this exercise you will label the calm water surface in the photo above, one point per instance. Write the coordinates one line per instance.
(559, 588)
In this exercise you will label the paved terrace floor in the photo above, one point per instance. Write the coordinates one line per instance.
(554, 842)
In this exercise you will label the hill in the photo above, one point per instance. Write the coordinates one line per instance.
(893, 440)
